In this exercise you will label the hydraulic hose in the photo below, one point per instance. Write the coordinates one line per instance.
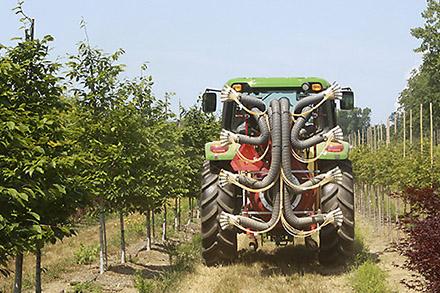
(307, 101)
(296, 187)
(252, 102)
(333, 92)
(253, 224)
(298, 222)
(227, 137)
(300, 122)
(286, 158)
(275, 163)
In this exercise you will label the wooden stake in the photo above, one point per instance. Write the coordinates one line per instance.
(374, 137)
(381, 133)
(410, 127)
(363, 136)
(404, 134)
(421, 128)
(387, 131)
(431, 128)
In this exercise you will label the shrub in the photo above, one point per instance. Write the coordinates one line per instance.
(86, 254)
(87, 287)
(423, 228)
(369, 278)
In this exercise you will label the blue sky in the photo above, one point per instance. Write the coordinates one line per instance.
(191, 45)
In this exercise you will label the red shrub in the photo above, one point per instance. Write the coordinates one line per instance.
(423, 228)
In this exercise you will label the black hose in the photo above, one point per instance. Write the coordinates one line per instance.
(255, 225)
(286, 158)
(251, 102)
(264, 131)
(300, 122)
(309, 100)
(275, 163)
(291, 218)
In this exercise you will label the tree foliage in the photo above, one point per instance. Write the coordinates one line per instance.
(353, 120)
(86, 138)
(423, 86)
(37, 158)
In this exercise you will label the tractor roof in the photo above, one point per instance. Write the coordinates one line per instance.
(277, 82)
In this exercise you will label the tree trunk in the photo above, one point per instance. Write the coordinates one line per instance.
(148, 229)
(38, 269)
(190, 211)
(18, 272)
(123, 252)
(102, 264)
(164, 223)
(105, 242)
(153, 229)
(176, 214)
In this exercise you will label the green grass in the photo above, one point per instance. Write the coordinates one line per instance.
(183, 259)
(87, 287)
(369, 278)
(86, 254)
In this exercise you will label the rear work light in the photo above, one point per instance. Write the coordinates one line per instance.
(335, 147)
(218, 149)
(316, 87)
(237, 87)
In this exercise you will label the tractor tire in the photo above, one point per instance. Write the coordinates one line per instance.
(218, 246)
(336, 244)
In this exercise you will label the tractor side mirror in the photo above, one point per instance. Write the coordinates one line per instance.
(209, 102)
(347, 101)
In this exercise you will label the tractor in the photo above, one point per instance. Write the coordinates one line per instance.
(280, 169)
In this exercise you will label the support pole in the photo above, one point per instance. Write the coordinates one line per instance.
(431, 131)
(421, 129)
(410, 127)
(387, 131)
(404, 134)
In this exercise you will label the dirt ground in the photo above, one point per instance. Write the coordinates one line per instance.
(269, 269)
(273, 269)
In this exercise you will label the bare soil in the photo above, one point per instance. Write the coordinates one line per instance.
(269, 269)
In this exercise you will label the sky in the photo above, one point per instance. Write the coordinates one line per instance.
(190, 45)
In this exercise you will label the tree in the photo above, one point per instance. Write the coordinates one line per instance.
(94, 82)
(38, 182)
(423, 86)
(198, 128)
(353, 120)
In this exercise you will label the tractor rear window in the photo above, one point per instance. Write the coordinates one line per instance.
(238, 123)
(268, 96)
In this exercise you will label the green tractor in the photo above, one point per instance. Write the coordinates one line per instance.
(280, 168)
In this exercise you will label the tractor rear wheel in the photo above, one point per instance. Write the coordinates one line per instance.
(218, 246)
(336, 244)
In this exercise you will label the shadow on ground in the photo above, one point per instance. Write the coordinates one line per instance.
(290, 260)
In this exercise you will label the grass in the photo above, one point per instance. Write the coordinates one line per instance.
(86, 287)
(367, 276)
(86, 255)
(63, 257)
(184, 258)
